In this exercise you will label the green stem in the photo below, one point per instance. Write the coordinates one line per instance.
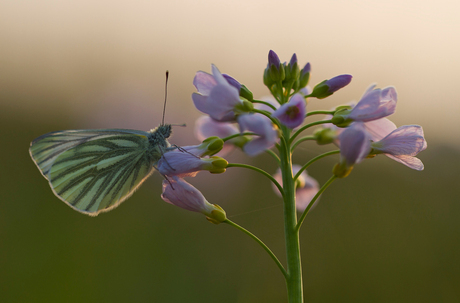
(320, 112)
(294, 278)
(239, 135)
(265, 247)
(259, 171)
(268, 115)
(314, 160)
(322, 189)
(265, 103)
(272, 153)
(307, 126)
(302, 140)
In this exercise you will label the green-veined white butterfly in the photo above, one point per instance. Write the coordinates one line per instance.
(94, 170)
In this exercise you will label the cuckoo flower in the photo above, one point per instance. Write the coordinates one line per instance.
(306, 187)
(263, 127)
(402, 145)
(355, 145)
(216, 96)
(374, 104)
(206, 127)
(183, 162)
(292, 114)
(177, 191)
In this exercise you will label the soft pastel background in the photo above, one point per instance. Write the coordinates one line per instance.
(384, 234)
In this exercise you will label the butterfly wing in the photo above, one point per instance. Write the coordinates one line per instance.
(94, 171)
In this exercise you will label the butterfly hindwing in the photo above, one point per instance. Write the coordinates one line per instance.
(94, 170)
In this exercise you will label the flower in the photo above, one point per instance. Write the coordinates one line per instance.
(355, 145)
(292, 114)
(402, 145)
(183, 162)
(216, 96)
(306, 188)
(374, 104)
(261, 126)
(206, 127)
(328, 87)
(177, 191)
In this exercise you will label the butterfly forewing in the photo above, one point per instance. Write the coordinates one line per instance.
(95, 170)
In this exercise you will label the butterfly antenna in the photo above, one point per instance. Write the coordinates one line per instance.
(166, 97)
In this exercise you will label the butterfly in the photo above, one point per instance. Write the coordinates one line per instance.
(94, 170)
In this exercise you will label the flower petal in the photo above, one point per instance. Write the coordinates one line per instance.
(204, 82)
(355, 144)
(292, 113)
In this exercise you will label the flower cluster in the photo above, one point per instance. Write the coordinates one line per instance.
(234, 119)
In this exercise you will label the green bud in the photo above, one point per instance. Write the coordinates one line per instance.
(219, 165)
(325, 136)
(341, 170)
(218, 215)
(244, 107)
(277, 74)
(267, 79)
(340, 117)
(213, 145)
(321, 91)
(246, 93)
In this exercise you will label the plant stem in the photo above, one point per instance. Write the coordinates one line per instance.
(265, 247)
(259, 171)
(294, 269)
(314, 160)
(322, 189)
(320, 112)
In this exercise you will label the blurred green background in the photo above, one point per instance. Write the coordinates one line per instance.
(384, 234)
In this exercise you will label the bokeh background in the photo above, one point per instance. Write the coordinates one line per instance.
(384, 234)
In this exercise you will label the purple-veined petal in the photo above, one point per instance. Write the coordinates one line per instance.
(409, 161)
(292, 114)
(374, 104)
(405, 140)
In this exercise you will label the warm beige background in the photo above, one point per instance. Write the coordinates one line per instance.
(385, 234)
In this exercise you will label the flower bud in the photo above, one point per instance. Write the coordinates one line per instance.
(325, 136)
(328, 87)
(292, 71)
(304, 76)
(217, 215)
(275, 68)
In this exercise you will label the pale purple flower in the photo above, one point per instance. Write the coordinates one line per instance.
(216, 96)
(292, 113)
(306, 187)
(206, 127)
(178, 192)
(183, 162)
(261, 126)
(402, 145)
(355, 144)
(374, 104)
